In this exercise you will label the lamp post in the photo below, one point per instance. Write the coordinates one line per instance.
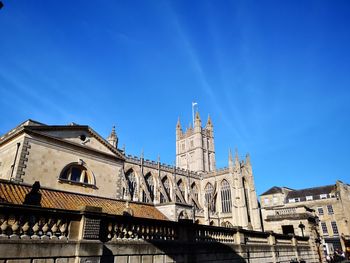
(302, 227)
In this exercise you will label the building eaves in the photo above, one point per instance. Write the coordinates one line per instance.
(79, 127)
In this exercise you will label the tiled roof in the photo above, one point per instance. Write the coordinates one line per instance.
(273, 190)
(276, 190)
(12, 193)
(311, 191)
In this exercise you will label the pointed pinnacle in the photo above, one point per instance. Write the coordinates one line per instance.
(230, 161)
(236, 157)
(197, 116)
(247, 158)
(209, 122)
(178, 124)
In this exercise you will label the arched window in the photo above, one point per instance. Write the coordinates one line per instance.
(77, 173)
(166, 185)
(209, 197)
(131, 182)
(226, 203)
(150, 187)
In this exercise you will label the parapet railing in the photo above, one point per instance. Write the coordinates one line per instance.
(129, 228)
(27, 222)
(203, 233)
(285, 211)
(36, 223)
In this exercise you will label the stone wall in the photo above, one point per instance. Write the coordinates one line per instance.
(31, 234)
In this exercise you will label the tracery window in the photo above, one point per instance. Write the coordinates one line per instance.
(77, 173)
(226, 203)
(131, 183)
(209, 197)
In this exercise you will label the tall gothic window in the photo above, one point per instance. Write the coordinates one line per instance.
(166, 185)
(226, 204)
(209, 197)
(150, 186)
(131, 183)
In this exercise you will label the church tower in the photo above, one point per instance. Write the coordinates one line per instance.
(195, 146)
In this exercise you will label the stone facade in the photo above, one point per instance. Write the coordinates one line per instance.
(285, 210)
(77, 159)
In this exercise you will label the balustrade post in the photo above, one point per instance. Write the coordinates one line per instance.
(239, 237)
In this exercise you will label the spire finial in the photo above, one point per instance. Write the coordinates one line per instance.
(197, 121)
(236, 158)
(112, 138)
(247, 159)
(230, 161)
(178, 124)
(142, 154)
(209, 122)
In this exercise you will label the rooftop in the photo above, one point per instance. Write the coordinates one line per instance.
(311, 191)
(13, 193)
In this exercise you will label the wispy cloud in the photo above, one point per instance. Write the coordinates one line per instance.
(200, 74)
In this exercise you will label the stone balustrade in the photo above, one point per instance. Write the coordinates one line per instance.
(27, 223)
(134, 230)
(214, 234)
(285, 211)
(89, 234)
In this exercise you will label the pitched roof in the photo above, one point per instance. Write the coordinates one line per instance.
(273, 190)
(36, 127)
(311, 191)
(276, 190)
(12, 193)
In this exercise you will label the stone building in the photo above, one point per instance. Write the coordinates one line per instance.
(75, 158)
(285, 210)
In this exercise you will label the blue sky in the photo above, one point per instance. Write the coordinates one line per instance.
(273, 75)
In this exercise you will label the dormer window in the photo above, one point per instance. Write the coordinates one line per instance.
(323, 196)
(309, 198)
(77, 173)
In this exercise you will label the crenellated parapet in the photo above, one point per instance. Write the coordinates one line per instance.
(162, 167)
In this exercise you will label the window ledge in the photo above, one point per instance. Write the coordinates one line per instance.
(63, 181)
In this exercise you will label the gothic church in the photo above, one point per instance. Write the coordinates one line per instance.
(75, 158)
